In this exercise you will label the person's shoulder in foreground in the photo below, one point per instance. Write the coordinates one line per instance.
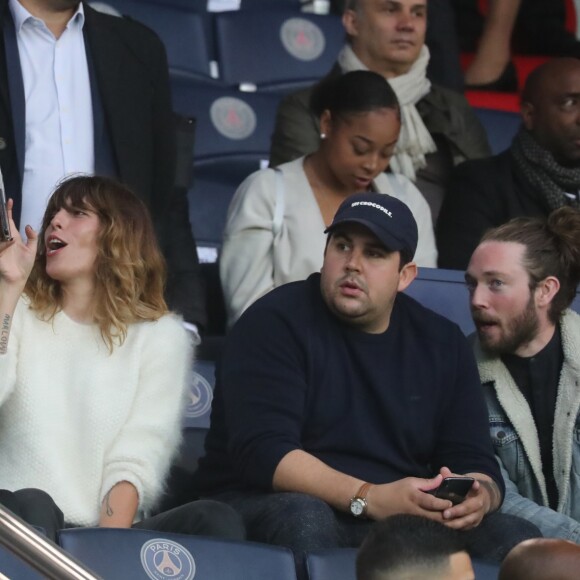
(542, 559)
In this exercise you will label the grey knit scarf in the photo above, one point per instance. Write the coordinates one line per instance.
(545, 175)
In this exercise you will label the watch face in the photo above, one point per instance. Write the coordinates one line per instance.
(357, 507)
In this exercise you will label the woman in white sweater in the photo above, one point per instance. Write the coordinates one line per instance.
(275, 228)
(93, 368)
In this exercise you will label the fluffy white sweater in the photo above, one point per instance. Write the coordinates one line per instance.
(75, 419)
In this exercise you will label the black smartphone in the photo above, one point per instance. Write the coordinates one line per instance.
(453, 488)
(5, 234)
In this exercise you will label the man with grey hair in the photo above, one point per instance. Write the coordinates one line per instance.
(439, 127)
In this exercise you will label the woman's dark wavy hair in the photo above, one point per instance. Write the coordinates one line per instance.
(360, 91)
(552, 249)
(129, 268)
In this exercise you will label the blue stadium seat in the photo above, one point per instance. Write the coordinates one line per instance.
(233, 133)
(500, 126)
(276, 50)
(120, 554)
(195, 425)
(208, 206)
(339, 564)
(186, 34)
(13, 567)
(192, 5)
(196, 419)
(204, 5)
(444, 292)
(230, 124)
(294, 5)
(198, 409)
(336, 564)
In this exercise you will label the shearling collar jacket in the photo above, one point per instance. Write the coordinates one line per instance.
(514, 431)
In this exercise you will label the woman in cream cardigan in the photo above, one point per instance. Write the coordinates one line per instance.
(275, 228)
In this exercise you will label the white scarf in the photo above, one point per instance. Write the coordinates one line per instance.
(415, 141)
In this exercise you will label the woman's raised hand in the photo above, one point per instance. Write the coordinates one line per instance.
(16, 256)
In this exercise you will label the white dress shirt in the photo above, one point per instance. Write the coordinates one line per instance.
(59, 113)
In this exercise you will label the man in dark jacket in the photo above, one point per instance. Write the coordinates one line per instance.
(540, 172)
(87, 92)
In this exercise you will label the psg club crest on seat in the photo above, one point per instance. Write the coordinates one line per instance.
(233, 118)
(302, 39)
(200, 397)
(166, 560)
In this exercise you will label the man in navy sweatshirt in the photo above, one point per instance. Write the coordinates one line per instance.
(341, 401)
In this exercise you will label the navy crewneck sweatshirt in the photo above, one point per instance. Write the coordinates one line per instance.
(379, 407)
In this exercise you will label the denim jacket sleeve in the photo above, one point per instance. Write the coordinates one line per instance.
(551, 523)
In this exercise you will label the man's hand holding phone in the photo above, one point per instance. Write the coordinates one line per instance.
(455, 488)
(482, 498)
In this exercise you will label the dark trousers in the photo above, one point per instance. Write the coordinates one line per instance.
(36, 508)
(305, 524)
(204, 517)
(198, 518)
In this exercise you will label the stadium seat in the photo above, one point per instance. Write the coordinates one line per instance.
(339, 564)
(208, 206)
(186, 35)
(295, 5)
(233, 133)
(198, 409)
(276, 50)
(196, 420)
(444, 292)
(500, 126)
(230, 124)
(13, 567)
(119, 554)
(212, 6)
(336, 564)
(195, 426)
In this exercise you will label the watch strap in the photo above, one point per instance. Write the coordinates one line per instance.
(362, 492)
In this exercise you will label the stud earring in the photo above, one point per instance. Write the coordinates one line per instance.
(323, 136)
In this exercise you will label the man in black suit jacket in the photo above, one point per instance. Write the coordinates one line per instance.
(134, 129)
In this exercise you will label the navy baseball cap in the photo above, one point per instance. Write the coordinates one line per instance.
(384, 215)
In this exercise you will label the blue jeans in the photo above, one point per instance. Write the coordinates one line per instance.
(305, 523)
